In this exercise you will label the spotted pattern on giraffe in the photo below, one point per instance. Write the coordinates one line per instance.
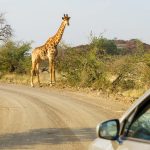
(48, 51)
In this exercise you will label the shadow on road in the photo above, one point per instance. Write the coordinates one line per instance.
(46, 136)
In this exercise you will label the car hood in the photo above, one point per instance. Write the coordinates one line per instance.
(101, 144)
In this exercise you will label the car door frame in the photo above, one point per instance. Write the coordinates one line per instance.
(131, 116)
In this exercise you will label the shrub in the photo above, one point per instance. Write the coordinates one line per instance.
(104, 46)
(14, 57)
(82, 68)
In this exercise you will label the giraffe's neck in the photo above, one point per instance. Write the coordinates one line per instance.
(59, 34)
(57, 37)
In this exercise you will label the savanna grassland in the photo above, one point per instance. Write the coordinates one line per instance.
(110, 66)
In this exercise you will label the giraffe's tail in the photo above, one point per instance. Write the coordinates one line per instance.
(33, 72)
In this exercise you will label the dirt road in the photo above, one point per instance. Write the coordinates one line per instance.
(47, 119)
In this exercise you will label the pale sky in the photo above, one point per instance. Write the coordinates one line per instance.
(36, 20)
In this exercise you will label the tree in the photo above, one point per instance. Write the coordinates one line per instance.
(5, 29)
(104, 46)
(139, 47)
(14, 57)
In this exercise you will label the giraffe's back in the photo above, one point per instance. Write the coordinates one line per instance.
(39, 53)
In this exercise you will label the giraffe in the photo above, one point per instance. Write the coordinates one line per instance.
(48, 51)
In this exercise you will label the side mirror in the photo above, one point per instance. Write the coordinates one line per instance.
(109, 129)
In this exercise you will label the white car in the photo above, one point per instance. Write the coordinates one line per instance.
(130, 132)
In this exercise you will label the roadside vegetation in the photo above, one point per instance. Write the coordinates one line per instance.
(108, 66)
(111, 66)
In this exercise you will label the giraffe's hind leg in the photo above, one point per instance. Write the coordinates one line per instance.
(50, 70)
(33, 72)
(53, 73)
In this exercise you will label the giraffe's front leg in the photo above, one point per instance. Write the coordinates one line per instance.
(50, 70)
(53, 72)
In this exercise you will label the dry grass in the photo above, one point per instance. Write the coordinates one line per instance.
(24, 79)
(15, 79)
(135, 93)
(126, 96)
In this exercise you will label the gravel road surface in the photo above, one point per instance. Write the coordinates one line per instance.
(51, 119)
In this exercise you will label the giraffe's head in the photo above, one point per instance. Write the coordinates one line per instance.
(66, 19)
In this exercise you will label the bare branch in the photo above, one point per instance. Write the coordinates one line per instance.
(5, 29)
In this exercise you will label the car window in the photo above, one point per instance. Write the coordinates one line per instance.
(140, 127)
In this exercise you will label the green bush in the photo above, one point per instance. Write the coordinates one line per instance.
(14, 57)
(82, 68)
(104, 46)
(101, 65)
